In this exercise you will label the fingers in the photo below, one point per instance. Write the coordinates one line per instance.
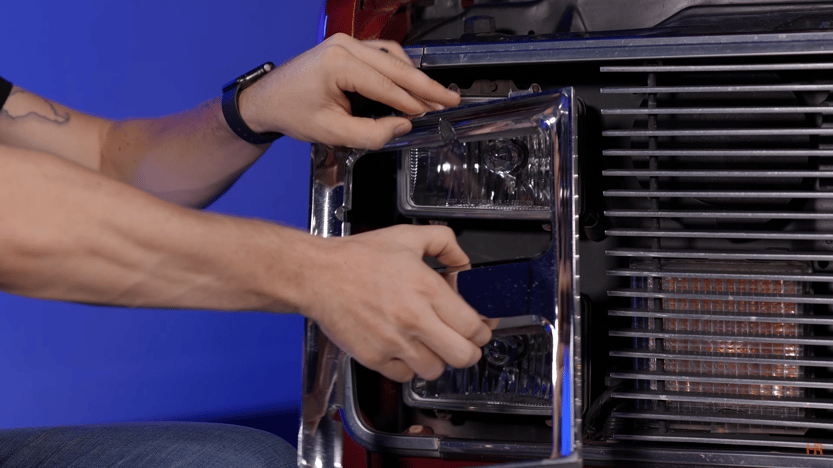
(424, 361)
(396, 370)
(389, 47)
(395, 67)
(451, 346)
(385, 86)
(440, 242)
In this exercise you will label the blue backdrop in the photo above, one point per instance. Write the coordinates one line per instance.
(71, 364)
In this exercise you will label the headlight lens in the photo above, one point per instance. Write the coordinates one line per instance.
(491, 170)
(514, 375)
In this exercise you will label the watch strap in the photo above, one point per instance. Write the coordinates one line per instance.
(5, 91)
(231, 109)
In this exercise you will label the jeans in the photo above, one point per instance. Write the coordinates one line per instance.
(144, 444)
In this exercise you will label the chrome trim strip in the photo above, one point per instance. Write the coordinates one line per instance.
(724, 296)
(777, 339)
(717, 214)
(718, 110)
(719, 152)
(788, 235)
(716, 193)
(738, 358)
(736, 439)
(720, 132)
(716, 68)
(726, 399)
(714, 173)
(735, 255)
(620, 48)
(815, 277)
(704, 315)
(728, 379)
(717, 89)
(731, 419)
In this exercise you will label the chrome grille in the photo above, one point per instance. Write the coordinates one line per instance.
(718, 189)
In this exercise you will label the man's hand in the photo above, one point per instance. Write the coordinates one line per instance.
(304, 98)
(375, 297)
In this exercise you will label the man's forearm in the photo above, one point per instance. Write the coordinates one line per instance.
(69, 233)
(188, 158)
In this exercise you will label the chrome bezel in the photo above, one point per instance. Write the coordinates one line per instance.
(550, 283)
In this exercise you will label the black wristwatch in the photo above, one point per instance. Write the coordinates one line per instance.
(231, 111)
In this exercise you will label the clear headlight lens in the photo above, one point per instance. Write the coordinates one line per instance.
(489, 175)
(514, 375)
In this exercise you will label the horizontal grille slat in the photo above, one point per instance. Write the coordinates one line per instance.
(715, 68)
(721, 234)
(723, 255)
(719, 89)
(810, 383)
(722, 153)
(729, 439)
(818, 403)
(701, 315)
(718, 214)
(714, 173)
(731, 419)
(714, 132)
(777, 194)
(792, 340)
(721, 296)
(817, 277)
(810, 361)
(718, 110)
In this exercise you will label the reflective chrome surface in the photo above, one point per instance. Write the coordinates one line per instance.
(617, 48)
(546, 286)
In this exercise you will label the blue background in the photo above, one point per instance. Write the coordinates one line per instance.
(73, 364)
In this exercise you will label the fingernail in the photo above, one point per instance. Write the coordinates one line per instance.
(402, 129)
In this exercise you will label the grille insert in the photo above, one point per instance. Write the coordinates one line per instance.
(717, 189)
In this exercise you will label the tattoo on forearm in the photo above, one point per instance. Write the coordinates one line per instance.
(49, 113)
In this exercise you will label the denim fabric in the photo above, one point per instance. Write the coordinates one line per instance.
(151, 445)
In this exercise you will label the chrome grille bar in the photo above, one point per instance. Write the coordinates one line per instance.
(777, 194)
(726, 399)
(730, 439)
(723, 153)
(736, 174)
(722, 296)
(710, 378)
(731, 419)
(713, 132)
(646, 333)
(693, 274)
(716, 68)
(718, 214)
(719, 89)
(718, 110)
(721, 234)
(746, 358)
(701, 315)
(724, 255)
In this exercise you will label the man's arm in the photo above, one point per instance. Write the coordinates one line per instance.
(70, 233)
(71, 229)
(191, 157)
